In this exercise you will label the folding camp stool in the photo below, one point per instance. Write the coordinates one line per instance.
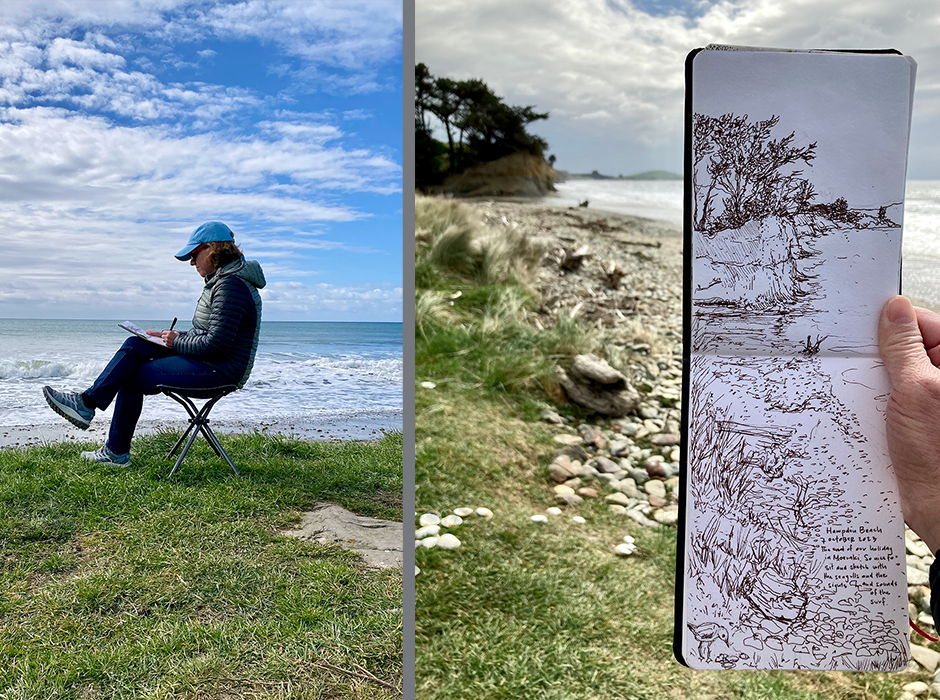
(198, 419)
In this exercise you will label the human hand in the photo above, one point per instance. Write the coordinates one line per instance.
(160, 333)
(909, 340)
(169, 337)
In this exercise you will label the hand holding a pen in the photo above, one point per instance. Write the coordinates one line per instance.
(168, 336)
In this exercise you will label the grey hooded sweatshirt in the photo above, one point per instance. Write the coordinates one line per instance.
(227, 321)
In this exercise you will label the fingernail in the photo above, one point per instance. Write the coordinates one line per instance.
(900, 310)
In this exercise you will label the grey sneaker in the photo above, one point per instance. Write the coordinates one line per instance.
(105, 456)
(70, 406)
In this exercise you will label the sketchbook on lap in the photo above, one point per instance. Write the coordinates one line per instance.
(791, 548)
(134, 329)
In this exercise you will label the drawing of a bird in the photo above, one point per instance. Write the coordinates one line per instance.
(712, 640)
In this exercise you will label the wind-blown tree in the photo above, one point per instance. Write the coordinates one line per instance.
(485, 127)
(750, 175)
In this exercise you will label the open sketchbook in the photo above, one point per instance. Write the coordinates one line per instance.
(791, 551)
(134, 329)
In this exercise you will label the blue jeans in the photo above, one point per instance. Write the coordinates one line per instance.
(135, 370)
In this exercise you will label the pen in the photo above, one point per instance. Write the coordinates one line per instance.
(173, 324)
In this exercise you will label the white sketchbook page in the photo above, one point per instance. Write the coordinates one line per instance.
(787, 466)
(134, 329)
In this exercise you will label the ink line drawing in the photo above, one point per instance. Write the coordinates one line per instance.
(787, 562)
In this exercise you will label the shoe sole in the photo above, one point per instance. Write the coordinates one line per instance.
(65, 411)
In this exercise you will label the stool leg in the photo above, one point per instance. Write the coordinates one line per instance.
(217, 446)
(183, 453)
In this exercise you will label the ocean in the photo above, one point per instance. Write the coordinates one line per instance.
(662, 199)
(312, 379)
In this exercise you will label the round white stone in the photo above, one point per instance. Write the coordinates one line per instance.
(451, 521)
(578, 519)
(463, 512)
(429, 519)
(628, 539)
(624, 550)
(553, 511)
(484, 513)
(448, 541)
(429, 542)
(538, 519)
(428, 385)
(427, 531)
(417, 570)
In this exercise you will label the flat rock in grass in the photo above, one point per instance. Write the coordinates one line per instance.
(614, 508)
(667, 516)
(379, 542)
(429, 519)
(618, 498)
(566, 439)
(575, 453)
(552, 417)
(587, 492)
(561, 488)
(568, 499)
(591, 382)
(463, 512)
(484, 513)
(916, 688)
(427, 531)
(665, 440)
(560, 473)
(448, 541)
(928, 658)
(655, 488)
(607, 466)
(641, 519)
(452, 521)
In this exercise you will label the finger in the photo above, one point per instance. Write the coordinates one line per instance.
(901, 343)
(929, 323)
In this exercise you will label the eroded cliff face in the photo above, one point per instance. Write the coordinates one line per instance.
(520, 175)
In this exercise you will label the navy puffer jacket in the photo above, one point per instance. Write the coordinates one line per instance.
(227, 321)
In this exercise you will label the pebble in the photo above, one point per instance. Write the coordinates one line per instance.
(429, 542)
(916, 577)
(642, 519)
(427, 531)
(624, 550)
(417, 570)
(452, 521)
(614, 508)
(657, 469)
(916, 688)
(565, 439)
(607, 466)
(657, 502)
(665, 440)
(428, 385)
(463, 512)
(667, 516)
(617, 498)
(587, 492)
(429, 519)
(655, 488)
(539, 519)
(484, 513)
(553, 510)
(448, 541)
(629, 539)
(561, 488)
(578, 519)
(568, 499)
(551, 417)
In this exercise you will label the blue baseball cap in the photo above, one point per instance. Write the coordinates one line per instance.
(209, 231)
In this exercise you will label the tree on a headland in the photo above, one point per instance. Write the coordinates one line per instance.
(479, 126)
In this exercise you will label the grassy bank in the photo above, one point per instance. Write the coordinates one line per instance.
(120, 583)
(523, 610)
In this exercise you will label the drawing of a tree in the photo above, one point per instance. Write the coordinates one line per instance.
(751, 176)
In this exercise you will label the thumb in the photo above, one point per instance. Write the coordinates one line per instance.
(901, 343)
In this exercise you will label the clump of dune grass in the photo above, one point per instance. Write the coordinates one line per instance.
(450, 239)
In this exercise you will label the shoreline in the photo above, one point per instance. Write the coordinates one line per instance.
(352, 427)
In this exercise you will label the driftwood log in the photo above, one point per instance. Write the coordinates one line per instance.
(593, 383)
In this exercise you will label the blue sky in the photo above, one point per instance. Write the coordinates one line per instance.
(611, 72)
(125, 124)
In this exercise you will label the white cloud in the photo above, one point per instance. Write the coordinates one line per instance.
(587, 58)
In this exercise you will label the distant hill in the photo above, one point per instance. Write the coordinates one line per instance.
(648, 175)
